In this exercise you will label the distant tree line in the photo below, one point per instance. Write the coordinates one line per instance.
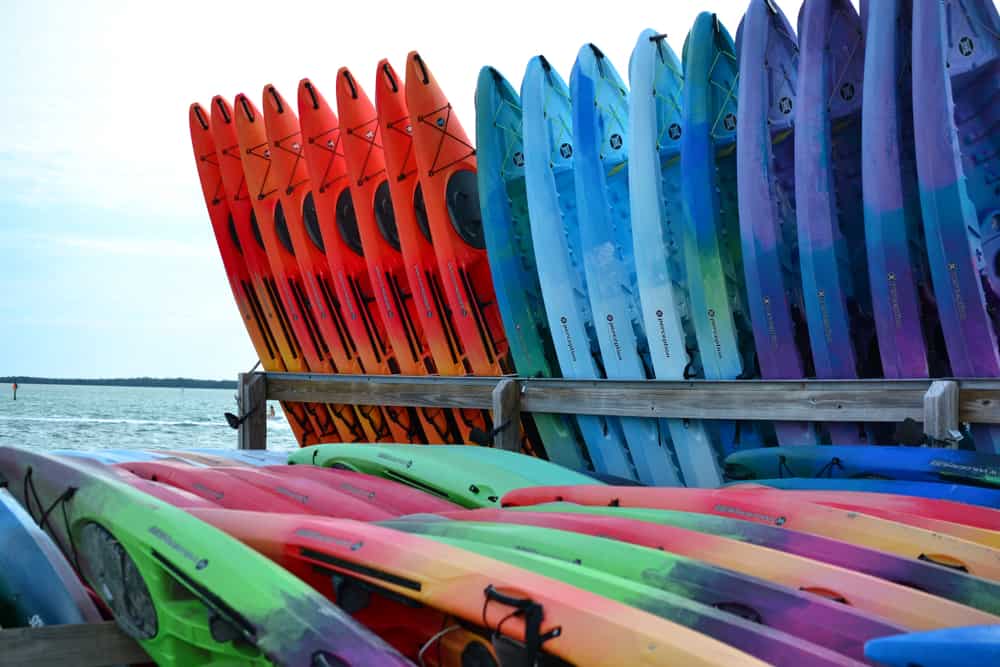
(178, 383)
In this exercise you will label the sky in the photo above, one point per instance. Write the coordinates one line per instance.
(108, 266)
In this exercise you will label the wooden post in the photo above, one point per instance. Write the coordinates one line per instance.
(507, 415)
(941, 411)
(83, 645)
(253, 411)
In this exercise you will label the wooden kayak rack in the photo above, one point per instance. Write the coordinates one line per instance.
(940, 405)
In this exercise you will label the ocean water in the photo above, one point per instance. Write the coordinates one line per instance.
(87, 417)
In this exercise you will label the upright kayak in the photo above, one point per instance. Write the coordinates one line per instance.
(765, 176)
(289, 170)
(828, 198)
(657, 210)
(544, 615)
(37, 586)
(956, 56)
(781, 622)
(956, 647)
(506, 231)
(547, 125)
(186, 592)
(905, 316)
(863, 530)
(302, 417)
(928, 464)
(711, 235)
(468, 476)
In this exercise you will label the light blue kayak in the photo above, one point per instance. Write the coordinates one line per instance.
(548, 154)
(600, 127)
(654, 178)
(712, 237)
(960, 493)
(976, 646)
(765, 166)
(255, 457)
(504, 205)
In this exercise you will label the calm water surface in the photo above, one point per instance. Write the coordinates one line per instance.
(85, 417)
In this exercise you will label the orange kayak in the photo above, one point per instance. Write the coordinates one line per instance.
(421, 264)
(255, 152)
(390, 424)
(304, 419)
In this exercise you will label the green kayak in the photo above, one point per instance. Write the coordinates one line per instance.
(189, 594)
(467, 475)
(783, 627)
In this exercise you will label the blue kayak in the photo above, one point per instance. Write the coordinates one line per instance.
(976, 646)
(37, 585)
(960, 493)
(927, 464)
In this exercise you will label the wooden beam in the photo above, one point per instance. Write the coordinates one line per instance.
(941, 411)
(767, 400)
(507, 415)
(83, 645)
(253, 411)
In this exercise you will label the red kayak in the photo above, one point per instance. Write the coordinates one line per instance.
(289, 168)
(310, 422)
(293, 490)
(334, 220)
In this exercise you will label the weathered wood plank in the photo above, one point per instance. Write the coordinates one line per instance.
(941, 411)
(507, 415)
(770, 400)
(253, 408)
(83, 645)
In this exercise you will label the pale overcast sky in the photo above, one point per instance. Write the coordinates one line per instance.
(108, 266)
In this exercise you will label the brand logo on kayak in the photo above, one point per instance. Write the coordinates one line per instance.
(329, 539)
(772, 329)
(614, 336)
(729, 122)
(569, 339)
(616, 141)
(423, 291)
(785, 105)
(751, 516)
(218, 495)
(566, 151)
(674, 131)
(976, 471)
(356, 491)
(345, 296)
(825, 315)
(296, 146)
(395, 459)
(966, 46)
(957, 291)
(409, 129)
(385, 292)
(715, 333)
(664, 340)
(847, 92)
(897, 311)
(458, 290)
(292, 494)
(199, 563)
(518, 159)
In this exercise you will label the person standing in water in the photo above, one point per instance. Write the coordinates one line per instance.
(14, 388)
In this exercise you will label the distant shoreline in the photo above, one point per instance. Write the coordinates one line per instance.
(170, 383)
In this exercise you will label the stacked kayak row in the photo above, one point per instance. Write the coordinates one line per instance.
(455, 555)
(818, 202)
